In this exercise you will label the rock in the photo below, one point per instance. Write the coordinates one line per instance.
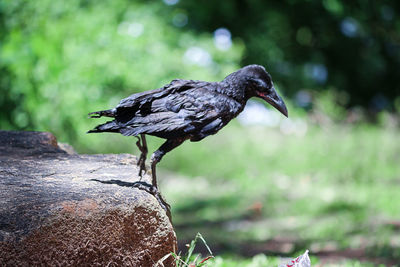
(66, 209)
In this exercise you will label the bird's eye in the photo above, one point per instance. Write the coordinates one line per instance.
(258, 83)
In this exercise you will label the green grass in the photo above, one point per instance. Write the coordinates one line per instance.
(254, 191)
(335, 188)
(261, 260)
(192, 259)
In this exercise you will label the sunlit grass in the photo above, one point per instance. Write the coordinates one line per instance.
(334, 187)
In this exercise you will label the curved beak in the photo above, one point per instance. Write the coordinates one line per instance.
(275, 100)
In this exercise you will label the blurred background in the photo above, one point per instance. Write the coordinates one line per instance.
(327, 179)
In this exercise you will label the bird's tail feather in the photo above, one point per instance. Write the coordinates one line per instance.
(110, 126)
(101, 113)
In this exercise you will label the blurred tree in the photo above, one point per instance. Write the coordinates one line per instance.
(352, 46)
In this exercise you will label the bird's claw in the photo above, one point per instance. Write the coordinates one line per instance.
(154, 191)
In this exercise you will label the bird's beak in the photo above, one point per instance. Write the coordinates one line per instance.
(275, 100)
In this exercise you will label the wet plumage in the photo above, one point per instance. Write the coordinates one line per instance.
(187, 109)
(183, 108)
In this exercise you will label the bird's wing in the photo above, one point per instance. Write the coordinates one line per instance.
(138, 102)
(182, 108)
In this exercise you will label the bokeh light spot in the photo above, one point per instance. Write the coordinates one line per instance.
(222, 39)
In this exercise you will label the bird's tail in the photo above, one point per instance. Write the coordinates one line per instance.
(105, 113)
(110, 126)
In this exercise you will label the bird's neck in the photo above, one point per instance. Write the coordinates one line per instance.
(234, 89)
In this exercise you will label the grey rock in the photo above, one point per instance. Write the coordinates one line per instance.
(66, 209)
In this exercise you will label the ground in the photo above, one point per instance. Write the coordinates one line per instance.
(332, 190)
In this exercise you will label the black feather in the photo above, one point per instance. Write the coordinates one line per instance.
(184, 108)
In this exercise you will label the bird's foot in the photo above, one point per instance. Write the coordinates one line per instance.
(142, 145)
(154, 191)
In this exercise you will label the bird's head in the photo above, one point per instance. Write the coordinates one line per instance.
(259, 84)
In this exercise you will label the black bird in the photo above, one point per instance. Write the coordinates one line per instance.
(187, 109)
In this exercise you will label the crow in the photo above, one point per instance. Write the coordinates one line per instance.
(186, 110)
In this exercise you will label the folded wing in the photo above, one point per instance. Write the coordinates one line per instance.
(191, 109)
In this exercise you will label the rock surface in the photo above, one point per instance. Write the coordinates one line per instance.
(65, 209)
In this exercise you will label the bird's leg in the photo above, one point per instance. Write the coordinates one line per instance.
(159, 153)
(143, 155)
(142, 145)
(155, 158)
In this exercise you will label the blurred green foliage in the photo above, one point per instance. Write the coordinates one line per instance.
(60, 60)
(353, 46)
